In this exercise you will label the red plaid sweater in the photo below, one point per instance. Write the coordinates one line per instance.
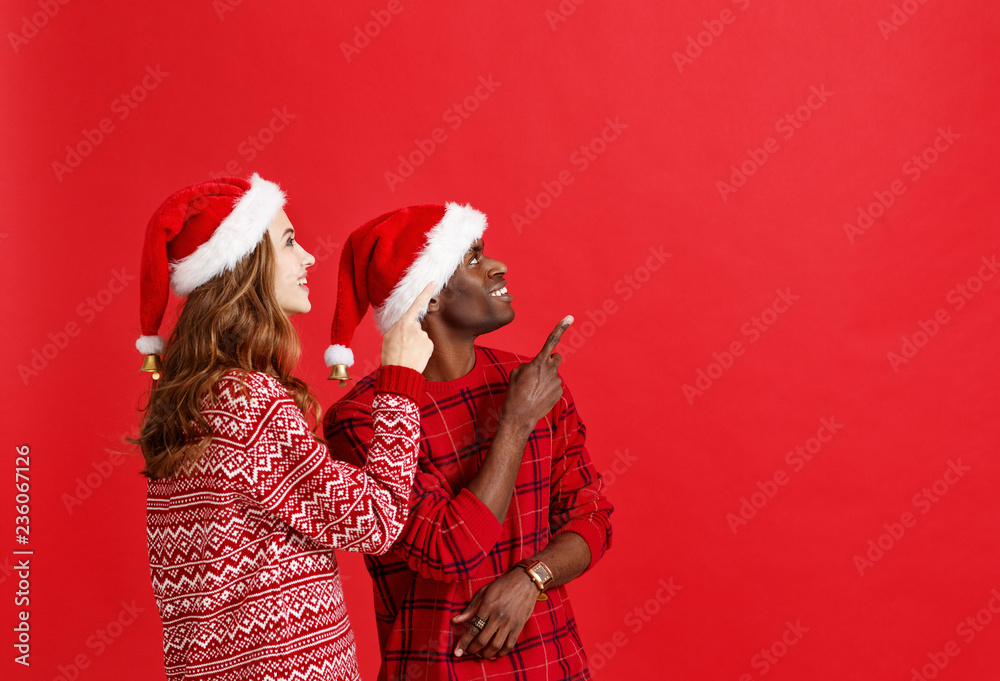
(452, 545)
(241, 542)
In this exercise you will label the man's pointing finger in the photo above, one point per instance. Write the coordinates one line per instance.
(553, 339)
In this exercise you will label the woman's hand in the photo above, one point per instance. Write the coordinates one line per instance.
(406, 343)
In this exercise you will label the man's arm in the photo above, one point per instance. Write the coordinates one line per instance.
(580, 518)
(448, 535)
(534, 389)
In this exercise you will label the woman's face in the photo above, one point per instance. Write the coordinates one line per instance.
(291, 261)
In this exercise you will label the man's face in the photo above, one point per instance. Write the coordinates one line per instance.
(475, 298)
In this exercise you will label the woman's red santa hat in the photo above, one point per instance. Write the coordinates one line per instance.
(197, 234)
(389, 260)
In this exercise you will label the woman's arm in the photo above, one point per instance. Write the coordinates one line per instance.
(334, 503)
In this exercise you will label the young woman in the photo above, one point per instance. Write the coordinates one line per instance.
(245, 506)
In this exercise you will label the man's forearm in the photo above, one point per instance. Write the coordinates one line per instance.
(494, 483)
(567, 556)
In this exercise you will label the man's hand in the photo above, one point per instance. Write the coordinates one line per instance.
(505, 605)
(535, 387)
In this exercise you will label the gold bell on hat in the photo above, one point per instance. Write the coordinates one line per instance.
(152, 364)
(338, 372)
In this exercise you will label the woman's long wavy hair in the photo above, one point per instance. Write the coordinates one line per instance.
(233, 321)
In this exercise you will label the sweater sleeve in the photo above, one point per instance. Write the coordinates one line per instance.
(334, 503)
(578, 503)
(447, 536)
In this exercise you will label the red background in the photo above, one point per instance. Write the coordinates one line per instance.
(683, 464)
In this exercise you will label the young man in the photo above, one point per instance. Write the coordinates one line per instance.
(506, 506)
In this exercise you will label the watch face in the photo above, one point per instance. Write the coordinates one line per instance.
(541, 573)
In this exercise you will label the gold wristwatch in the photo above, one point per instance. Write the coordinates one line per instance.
(540, 574)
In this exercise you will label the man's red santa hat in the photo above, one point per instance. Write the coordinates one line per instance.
(389, 260)
(197, 234)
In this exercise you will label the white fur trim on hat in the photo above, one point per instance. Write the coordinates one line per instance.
(151, 345)
(237, 235)
(447, 243)
(338, 354)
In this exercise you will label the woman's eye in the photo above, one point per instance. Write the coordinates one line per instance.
(291, 241)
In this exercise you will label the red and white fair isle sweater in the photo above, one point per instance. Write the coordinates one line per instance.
(241, 543)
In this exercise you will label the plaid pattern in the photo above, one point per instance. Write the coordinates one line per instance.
(452, 546)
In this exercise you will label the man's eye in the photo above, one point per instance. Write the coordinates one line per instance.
(475, 259)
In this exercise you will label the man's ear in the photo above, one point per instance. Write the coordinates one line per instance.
(433, 305)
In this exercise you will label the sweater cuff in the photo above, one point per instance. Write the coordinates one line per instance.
(400, 380)
(596, 537)
(478, 519)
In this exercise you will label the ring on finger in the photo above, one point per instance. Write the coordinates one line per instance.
(479, 623)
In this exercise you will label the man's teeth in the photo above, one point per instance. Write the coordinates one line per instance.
(500, 292)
